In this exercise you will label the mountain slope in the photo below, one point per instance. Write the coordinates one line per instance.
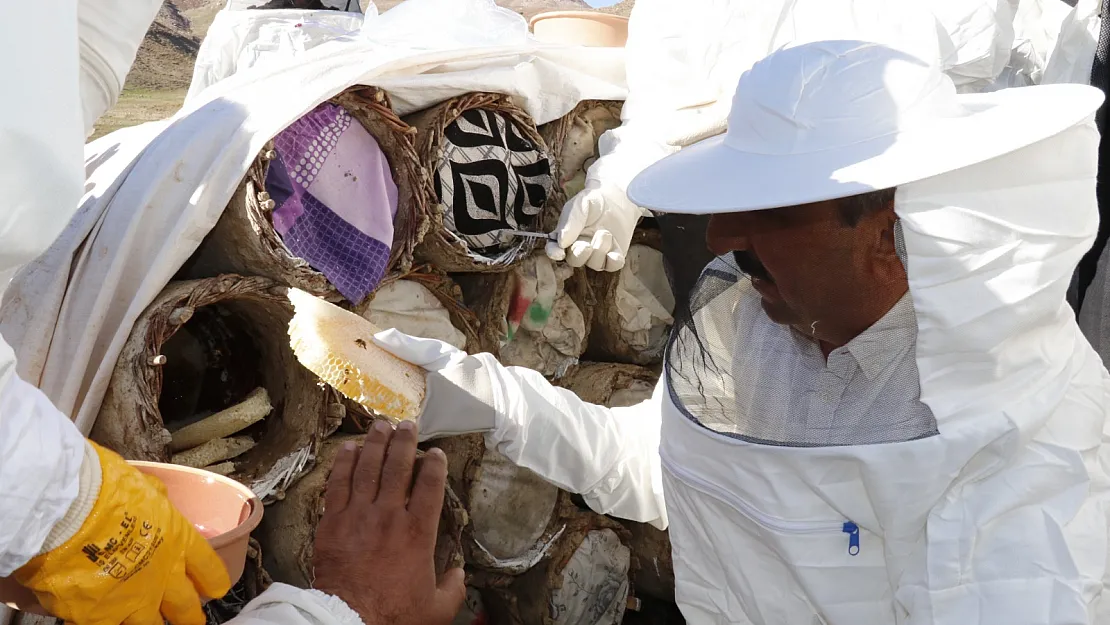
(165, 58)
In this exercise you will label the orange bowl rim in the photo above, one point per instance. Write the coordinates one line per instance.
(238, 532)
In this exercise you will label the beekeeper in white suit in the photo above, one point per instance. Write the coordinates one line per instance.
(880, 409)
(95, 540)
(684, 63)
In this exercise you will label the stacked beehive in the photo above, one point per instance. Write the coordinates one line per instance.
(208, 378)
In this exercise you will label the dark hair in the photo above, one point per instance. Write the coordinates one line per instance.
(853, 209)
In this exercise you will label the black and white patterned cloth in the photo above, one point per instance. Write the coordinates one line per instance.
(491, 177)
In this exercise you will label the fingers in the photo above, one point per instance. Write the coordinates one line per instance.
(598, 254)
(614, 260)
(338, 491)
(181, 604)
(368, 470)
(555, 251)
(205, 569)
(450, 594)
(592, 253)
(573, 219)
(599, 247)
(397, 469)
(578, 253)
(426, 501)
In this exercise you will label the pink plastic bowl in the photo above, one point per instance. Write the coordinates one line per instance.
(581, 28)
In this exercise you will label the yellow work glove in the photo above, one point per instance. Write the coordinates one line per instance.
(134, 560)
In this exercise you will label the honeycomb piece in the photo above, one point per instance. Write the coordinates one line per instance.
(338, 346)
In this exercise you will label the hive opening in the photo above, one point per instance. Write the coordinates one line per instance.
(212, 363)
(207, 379)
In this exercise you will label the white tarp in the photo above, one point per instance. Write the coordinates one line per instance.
(239, 39)
(154, 191)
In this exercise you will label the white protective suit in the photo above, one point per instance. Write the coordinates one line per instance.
(65, 65)
(683, 65)
(79, 54)
(1000, 519)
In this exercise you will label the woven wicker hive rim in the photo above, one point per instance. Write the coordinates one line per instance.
(441, 247)
(130, 421)
(555, 132)
(595, 382)
(246, 217)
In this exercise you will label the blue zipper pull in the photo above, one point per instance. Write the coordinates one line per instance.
(852, 530)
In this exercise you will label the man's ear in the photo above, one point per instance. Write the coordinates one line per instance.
(886, 266)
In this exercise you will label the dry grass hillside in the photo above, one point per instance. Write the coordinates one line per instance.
(163, 67)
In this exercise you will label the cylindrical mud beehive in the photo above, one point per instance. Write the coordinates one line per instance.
(573, 140)
(207, 378)
(491, 172)
(635, 306)
(535, 315)
(334, 203)
(289, 527)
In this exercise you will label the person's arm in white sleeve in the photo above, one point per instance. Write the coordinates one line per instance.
(41, 458)
(65, 65)
(57, 54)
(282, 604)
(110, 32)
(609, 456)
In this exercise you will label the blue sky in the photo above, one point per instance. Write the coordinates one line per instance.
(597, 4)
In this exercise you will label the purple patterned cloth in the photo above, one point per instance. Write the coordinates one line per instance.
(335, 199)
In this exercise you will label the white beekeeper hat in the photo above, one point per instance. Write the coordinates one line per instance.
(833, 119)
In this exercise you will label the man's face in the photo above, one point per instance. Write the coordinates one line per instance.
(814, 272)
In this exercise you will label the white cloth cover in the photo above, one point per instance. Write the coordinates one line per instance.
(411, 308)
(683, 67)
(645, 302)
(245, 38)
(1073, 52)
(282, 604)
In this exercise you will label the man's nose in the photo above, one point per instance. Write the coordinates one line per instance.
(723, 236)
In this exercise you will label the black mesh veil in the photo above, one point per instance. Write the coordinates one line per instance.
(734, 371)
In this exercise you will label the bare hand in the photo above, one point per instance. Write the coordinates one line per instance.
(376, 542)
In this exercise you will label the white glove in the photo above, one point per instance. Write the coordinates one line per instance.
(459, 396)
(597, 226)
